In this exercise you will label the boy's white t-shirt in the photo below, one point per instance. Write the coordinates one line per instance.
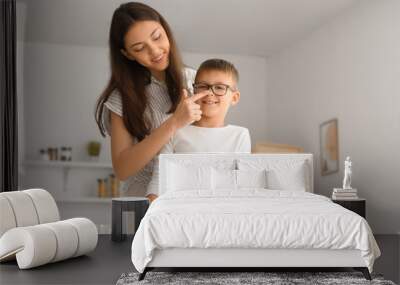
(192, 139)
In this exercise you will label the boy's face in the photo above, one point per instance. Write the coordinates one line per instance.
(214, 106)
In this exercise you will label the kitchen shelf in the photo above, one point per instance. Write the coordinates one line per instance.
(65, 166)
(71, 164)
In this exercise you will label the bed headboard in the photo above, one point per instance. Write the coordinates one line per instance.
(235, 160)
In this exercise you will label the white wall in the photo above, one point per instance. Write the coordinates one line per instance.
(62, 84)
(350, 70)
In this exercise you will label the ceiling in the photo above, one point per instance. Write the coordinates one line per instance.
(251, 27)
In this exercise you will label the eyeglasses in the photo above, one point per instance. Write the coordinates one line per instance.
(218, 89)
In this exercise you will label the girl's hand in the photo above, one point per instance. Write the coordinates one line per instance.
(187, 110)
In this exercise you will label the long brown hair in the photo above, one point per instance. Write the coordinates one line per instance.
(130, 78)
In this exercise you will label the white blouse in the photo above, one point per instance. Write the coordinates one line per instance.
(159, 104)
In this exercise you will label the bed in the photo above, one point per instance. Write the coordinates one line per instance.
(247, 210)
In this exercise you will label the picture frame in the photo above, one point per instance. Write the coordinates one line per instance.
(329, 147)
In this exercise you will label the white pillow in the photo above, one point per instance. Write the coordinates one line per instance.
(236, 179)
(251, 178)
(293, 178)
(224, 179)
(282, 174)
(182, 177)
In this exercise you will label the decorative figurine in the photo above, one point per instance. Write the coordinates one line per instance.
(347, 174)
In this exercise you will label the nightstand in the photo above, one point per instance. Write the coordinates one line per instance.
(357, 205)
(138, 205)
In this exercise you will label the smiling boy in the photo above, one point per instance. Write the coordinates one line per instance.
(219, 79)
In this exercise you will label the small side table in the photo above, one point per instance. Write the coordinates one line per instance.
(357, 205)
(139, 205)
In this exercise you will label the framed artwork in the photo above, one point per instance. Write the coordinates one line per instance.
(329, 145)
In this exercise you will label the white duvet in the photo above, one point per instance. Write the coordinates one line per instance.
(252, 218)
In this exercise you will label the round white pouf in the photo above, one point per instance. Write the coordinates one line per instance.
(87, 233)
(6, 215)
(67, 240)
(33, 246)
(23, 208)
(52, 242)
(45, 205)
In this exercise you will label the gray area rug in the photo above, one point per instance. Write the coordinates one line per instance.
(273, 278)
